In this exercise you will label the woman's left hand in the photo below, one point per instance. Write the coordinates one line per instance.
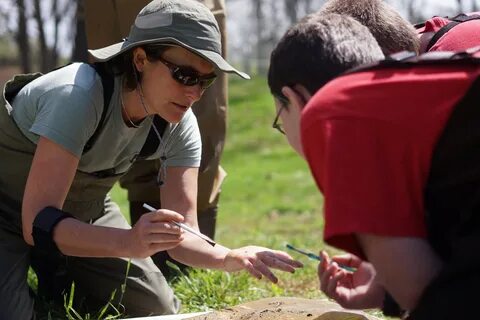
(258, 261)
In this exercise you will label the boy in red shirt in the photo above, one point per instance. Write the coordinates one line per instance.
(371, 139)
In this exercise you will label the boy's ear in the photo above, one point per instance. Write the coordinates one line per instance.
(298, 95)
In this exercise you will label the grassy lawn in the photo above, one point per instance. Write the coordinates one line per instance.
(268, 199)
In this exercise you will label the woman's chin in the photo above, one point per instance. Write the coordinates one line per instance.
(174, 118)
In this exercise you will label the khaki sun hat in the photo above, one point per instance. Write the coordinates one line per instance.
(186, 23)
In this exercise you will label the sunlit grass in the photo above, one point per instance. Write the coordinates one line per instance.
(268, 199)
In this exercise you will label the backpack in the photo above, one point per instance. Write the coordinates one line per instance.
(451, 194)
(455, 21)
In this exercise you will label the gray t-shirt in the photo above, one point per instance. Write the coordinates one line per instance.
(66, 105)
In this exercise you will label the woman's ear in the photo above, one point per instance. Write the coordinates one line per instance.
(139, 58)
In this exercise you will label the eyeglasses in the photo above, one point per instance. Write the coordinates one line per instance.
(188, 76)
(276, 124)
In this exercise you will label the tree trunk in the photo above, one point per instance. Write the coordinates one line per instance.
(44, 50)
(53, 61)
(21, 38)
(80, 52)
(308, 6)
(291, 10)
(260, 17)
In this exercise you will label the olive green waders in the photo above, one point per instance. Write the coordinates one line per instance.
(147, 291)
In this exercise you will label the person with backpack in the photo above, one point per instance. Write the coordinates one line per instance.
(66, 137)
(393, 146)
(107, 21)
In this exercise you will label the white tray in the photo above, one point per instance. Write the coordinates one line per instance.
(172, 317)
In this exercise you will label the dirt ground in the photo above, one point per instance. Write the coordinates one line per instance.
(280, 308)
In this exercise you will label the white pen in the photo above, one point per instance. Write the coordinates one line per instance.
(184, 227)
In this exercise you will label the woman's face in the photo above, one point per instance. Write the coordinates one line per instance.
(164, 95)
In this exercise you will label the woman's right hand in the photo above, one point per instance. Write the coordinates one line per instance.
(154, 232)
(352, 290)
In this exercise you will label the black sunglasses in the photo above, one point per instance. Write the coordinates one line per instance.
(188, 76)
(276, 124)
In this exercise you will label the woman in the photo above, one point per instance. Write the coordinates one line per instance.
(54, 176)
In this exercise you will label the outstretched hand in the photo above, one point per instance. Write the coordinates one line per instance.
(353, 290)
(258, 261)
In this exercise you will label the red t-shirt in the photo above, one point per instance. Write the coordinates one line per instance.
(368, 138)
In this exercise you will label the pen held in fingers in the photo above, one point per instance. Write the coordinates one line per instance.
(318, 258)
(185, 227)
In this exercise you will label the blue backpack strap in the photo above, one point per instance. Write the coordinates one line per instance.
(107, 84)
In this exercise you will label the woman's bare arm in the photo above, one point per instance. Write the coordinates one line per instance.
(51, 175)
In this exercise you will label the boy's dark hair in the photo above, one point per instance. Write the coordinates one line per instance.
(313, 52)
(393, 33)
(123, 64)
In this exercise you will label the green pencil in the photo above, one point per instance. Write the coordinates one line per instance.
(318, 258)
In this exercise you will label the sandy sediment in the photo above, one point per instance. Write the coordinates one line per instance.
(286, 309)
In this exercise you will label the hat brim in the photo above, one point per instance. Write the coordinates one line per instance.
(107, 53)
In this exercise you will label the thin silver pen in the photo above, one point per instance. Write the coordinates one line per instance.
(184, 227)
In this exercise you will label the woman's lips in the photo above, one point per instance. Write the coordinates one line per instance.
(184, 108)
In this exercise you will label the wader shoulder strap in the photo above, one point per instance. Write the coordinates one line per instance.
(14, 86)
(454, 22)
(107, 84)
(152, 142)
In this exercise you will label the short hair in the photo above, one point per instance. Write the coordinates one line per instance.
(392, 31)
(313, 52)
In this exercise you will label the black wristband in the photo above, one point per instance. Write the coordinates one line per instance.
(391, 307)
(43, 227)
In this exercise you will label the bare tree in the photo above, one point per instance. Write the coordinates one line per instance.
(474, 5)
(291, 10)
(58, 12)
(275, 21)
(260, 31)
(79, 52)
(414, 13)
(42, 40)
(308, 6)
(21, 37)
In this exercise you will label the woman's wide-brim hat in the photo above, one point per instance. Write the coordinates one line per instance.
(186, 23)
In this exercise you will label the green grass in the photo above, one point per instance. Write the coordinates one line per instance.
(268, 199)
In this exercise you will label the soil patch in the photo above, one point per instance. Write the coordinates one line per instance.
(286, 309)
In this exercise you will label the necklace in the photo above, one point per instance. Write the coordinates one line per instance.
(126, 113)
(142, 99)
